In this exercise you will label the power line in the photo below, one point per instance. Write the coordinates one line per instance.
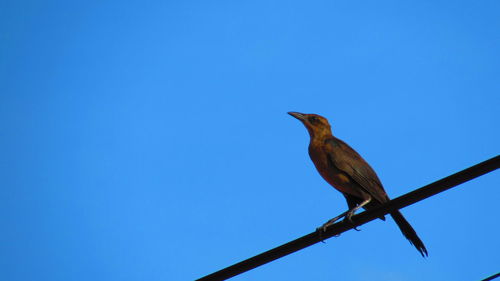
(360, 219)
(494, 276)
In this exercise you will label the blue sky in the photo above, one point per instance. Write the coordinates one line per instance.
(149, 140)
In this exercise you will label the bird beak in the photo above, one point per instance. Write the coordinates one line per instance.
(298, 115)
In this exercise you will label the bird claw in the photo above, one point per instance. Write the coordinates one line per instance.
(322, 229)
(348, 218)
(320, 232)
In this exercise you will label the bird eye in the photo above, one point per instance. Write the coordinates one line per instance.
(313, 119)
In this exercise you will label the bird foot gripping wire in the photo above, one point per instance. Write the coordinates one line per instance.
(322, 229)
(330, 222)
(347, 219)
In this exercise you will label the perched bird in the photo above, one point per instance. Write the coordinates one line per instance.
(344, 169)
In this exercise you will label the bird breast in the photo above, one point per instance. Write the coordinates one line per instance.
(327, 170)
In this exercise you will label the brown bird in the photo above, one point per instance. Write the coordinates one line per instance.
(344, 169)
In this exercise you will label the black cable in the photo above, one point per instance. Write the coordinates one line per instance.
(362, 218)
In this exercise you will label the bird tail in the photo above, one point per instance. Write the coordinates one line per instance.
(409, 232)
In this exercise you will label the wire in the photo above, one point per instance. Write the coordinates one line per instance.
(360, 219)
(494, 276)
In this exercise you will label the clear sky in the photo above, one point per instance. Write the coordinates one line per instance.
(149, 140)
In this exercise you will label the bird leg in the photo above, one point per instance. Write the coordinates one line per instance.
(351, 212)
(332, 221)
(347, 215)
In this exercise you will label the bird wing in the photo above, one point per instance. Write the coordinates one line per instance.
(353, 165)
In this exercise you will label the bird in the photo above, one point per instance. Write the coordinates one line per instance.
(344, 169)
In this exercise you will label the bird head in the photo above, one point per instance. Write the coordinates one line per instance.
(316, 125)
